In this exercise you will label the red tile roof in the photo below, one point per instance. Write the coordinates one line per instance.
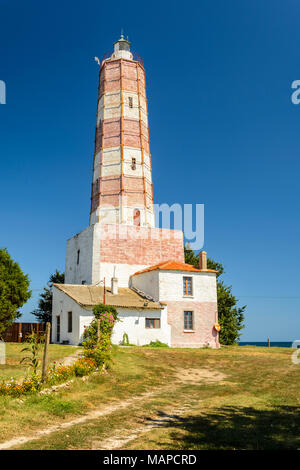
(175, 266)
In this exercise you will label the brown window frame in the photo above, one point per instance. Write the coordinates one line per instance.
(155, 320)
(186, 322)
(186, 279)
(70, 322)
(130, 101)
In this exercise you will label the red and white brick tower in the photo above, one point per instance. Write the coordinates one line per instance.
(122, 178)
(121, 237)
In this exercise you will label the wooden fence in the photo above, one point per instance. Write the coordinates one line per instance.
(18, 332)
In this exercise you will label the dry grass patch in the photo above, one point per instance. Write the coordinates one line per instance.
(171, 399)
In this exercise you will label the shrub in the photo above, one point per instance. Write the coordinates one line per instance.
(15, 389)
(84, 366)
(125, 340)
(156, 344)
(58, 374)
(97, 355)
(97, 336)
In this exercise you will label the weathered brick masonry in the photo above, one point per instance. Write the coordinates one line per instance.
(205, 315)
(140, 245)
(122, 125)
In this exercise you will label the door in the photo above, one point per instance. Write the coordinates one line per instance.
(58, 329)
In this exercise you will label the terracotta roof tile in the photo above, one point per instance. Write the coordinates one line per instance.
(171, 265)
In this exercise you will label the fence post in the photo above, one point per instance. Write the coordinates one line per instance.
(46, 346)
(19, 332)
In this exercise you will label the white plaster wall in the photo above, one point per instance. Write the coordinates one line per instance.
(88, 269)
(112, 106)
(132, 113)
(171, 286)
(147, 282)
(76, 273)
(131, 152)
(123, 272)
(111, 155)
(121, 54)
(61, 305)
(111, 169)
(133, 323)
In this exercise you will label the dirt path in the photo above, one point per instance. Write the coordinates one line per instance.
(192, 376)
(80, 420)
(69, 360)
(162, 419)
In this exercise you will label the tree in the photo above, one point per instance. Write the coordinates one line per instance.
(231, 317)
(44, 311)
(14, 290)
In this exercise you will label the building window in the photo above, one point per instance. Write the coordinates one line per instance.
(70, 322)
(83, 283)
(137, 217)
(58, 329)
(133, 163)
(78, 256)
(130, 102)
(188, 321)
(152, 322)
(187, 286)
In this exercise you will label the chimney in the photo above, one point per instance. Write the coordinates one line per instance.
(202, 260)
(114, 285)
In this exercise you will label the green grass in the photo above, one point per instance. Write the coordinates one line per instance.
(13, 368)
(255, 406)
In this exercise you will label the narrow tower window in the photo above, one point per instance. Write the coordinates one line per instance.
(133, 163)
(130, 101)
(78, 256)
(137, 217)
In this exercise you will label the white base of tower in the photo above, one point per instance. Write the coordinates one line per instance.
(108, 250)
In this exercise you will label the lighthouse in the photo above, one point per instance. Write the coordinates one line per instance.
(121, 236)
(122, 179)
(121, 258)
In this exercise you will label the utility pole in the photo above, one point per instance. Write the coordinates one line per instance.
(98, 319)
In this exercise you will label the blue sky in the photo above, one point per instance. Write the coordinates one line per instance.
(223, 132)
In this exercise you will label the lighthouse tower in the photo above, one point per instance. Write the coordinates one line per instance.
(121, 238)
(121, 258)
(122, 180)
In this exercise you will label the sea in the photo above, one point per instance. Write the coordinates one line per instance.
(264, 344)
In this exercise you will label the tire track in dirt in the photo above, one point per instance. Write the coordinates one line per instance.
(182, 376)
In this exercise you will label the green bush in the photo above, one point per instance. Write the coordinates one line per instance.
(156, 344)
(97, 336)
